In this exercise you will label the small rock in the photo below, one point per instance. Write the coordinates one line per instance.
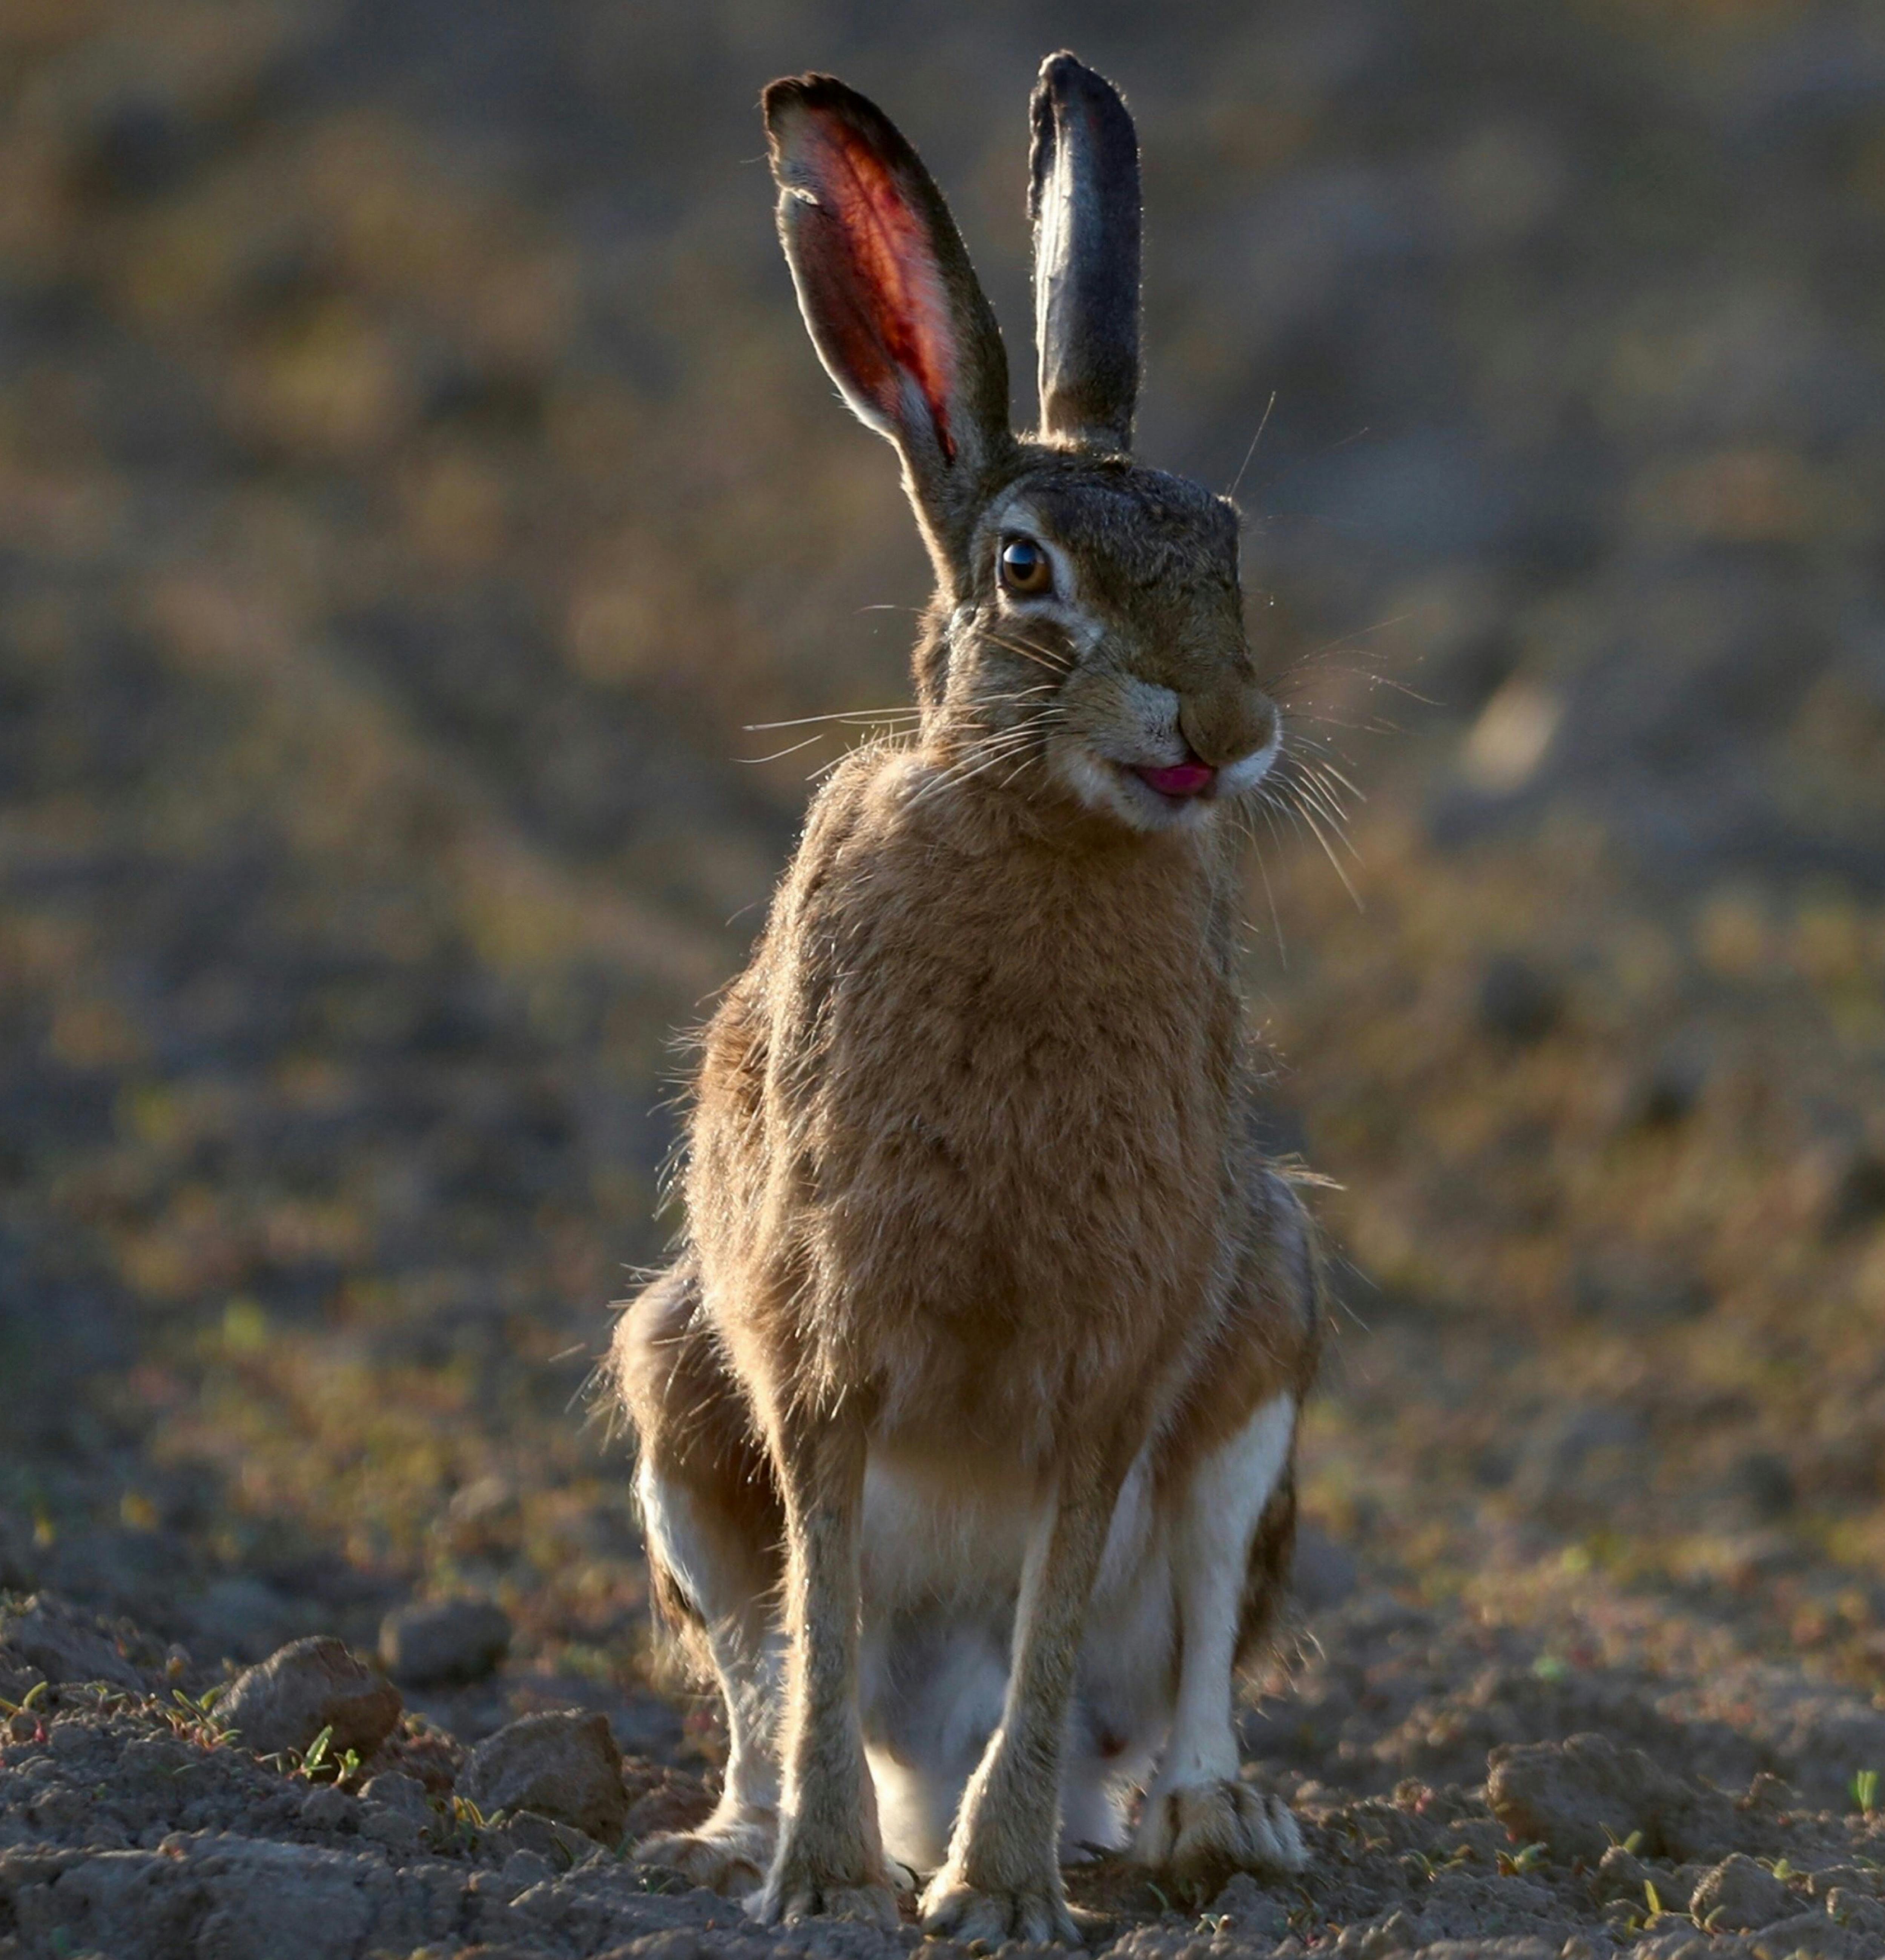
(1622, 1875)
(1858, 1911)
(399, 1792)
(1517, 1002)
(1810, 1936)
(65, 1645)
(1822, 1883)
(285, 1702)
(1739, 1896)
(662, 1800)
(393, 1828)
(563, 1763)
(1583, 1795)
(1251, 1911)
(523, 1870)
(561, 1846)
(330, 1808)
(449, 1641)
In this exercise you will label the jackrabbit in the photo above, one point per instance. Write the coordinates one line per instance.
(967, 1413)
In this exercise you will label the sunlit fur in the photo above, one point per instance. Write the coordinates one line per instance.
(971, 1395)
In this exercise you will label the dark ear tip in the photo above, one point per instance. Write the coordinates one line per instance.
(825, 96)
(1065, 76)
(810, 93)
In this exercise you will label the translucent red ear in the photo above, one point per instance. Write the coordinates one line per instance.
(891, 300)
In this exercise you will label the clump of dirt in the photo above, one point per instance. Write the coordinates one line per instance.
(134, 1821)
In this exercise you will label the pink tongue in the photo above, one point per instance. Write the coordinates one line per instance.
(1182, 779)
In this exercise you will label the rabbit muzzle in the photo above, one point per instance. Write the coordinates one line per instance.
(1234, 733)
(1158, 756)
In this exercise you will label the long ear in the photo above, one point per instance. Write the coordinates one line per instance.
(894, 307)
(1084, 200)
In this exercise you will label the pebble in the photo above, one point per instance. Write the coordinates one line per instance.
(285, 1702)
(444, 1642)
(563, 1763)
(393, 1828)
(330, 1808)
(522, 1869)
(397, 1791)
(1740, 1896)
(560, 1845)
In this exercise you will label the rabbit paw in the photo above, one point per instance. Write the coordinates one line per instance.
(728, 1855)
(798, 1888)
(1206, 1831)
(954, 1909)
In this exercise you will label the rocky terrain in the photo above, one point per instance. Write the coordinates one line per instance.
(417, 504)
(1467, 1791)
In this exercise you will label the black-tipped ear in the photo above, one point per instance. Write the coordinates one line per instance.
(892, 303)
(1084, 201)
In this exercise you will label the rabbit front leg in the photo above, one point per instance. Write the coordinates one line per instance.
(1235, 1528)
(1002, 1879)
(830, 1857)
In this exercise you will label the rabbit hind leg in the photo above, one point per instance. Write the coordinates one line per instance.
(711, 1521)
(1236, 1522)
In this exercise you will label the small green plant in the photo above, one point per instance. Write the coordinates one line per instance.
(1865, 1790)
(28, 1704)
(317, 1753)
(193, 1717)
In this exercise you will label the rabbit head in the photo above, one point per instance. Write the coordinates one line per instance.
(1087, 647)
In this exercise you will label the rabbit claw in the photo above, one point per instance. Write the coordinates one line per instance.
(1204, 1831)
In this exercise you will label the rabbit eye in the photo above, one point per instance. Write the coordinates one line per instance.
(1027, 571)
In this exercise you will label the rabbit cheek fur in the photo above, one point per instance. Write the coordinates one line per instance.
(992, 1321)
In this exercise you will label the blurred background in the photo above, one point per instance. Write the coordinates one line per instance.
(416, 486)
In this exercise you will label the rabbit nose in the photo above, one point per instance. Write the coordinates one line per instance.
(1223, 733)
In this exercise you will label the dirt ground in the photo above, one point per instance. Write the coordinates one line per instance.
(1656, 1789)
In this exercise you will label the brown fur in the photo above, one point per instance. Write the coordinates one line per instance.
(972, 1177)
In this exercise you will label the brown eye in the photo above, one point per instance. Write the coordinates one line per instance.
(1027, 571)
